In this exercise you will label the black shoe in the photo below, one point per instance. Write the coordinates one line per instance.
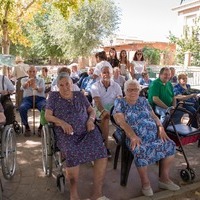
(27, 133)
(109, 153)
(39, 132)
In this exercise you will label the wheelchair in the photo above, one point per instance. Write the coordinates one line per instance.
(183, 134)
(8, 151)
(50, 153)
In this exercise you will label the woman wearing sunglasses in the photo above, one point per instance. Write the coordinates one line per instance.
(138, 65)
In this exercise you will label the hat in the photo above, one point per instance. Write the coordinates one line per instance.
(18, 59)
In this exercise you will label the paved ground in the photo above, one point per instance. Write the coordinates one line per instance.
(30, 183)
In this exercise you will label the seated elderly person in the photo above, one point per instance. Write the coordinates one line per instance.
(145, 80)
(32, 86)
(77, 136)
(146, 137)
(104, 92)
(161, 95)
(182, 93)
(54, 86)
(7, 88)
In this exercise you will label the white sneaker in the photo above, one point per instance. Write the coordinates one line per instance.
(168, 186)
(148, 192)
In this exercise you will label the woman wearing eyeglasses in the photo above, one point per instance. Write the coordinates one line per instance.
(138, 65)
(146, 137)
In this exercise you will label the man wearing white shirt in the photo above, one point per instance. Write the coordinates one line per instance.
(104, 92)
(32, 85)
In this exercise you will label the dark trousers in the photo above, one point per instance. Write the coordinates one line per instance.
(8, 109)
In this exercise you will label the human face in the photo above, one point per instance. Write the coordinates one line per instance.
(123, 53)
(165, 76)
(183, 80)
(32, 72)
(112, 53)
(44, 72)
(132, 91)
(90, 71)
(105, 74)
(116, 73)
(65, 86)
(139, 55)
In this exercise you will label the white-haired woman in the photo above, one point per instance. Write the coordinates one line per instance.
(77, 137)
(147, 138)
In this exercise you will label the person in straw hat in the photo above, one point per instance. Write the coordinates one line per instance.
(19, 72)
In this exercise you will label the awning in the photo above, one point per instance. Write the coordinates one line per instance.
(7, 60)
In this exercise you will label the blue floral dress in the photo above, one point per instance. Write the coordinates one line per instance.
(82, 146)
(139, 118)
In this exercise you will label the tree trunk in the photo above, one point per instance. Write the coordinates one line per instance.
(5, 38)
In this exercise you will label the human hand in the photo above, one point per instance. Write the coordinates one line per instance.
(135, 142)
(162, 134)
(67, 128)
(90, 125)
(4, 92)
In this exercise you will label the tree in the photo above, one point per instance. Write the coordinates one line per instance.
(189, 42)
(14, 15)
(152, 55)
(78, 35)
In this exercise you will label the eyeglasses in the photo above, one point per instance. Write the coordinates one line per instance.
(132, 90)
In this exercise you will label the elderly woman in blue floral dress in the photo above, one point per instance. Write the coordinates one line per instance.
(146, 137)
(77, 136)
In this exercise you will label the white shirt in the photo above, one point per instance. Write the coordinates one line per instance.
(138, 66)
(29, 91)
(8, 86)
(108, 95)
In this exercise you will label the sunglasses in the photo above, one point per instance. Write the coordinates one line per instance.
(139, 54)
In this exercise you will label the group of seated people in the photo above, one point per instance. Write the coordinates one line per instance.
(80, 140)
(74, 116)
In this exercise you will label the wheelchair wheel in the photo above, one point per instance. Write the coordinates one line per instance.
(1, 190)
(17, 127)
(46, 150)
(192, 173)
(8, 152)
(61, 183)
(185, 175)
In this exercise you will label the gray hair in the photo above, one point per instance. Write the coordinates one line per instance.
(131, 82)
(63, 75)
(102, 68)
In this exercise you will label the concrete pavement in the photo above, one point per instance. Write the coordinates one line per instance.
(30, 183)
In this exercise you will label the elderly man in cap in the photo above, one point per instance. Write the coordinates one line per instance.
(104, 92)
(20, 71)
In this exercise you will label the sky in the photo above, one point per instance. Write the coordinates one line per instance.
(148, 20)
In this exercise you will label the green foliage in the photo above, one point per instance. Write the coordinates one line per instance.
(189, 42)
(54, 36)
(152, 55)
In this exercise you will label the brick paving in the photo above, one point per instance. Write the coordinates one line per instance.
(30, 183)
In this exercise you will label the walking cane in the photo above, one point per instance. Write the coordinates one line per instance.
(34, 94)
